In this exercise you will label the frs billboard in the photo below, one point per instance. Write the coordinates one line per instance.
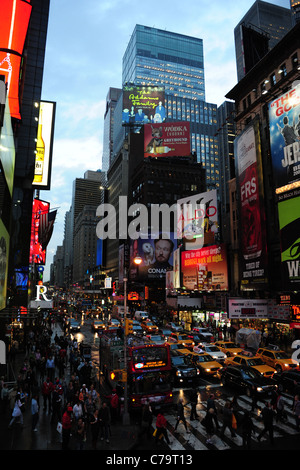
(284, 119)
(15, 15)
(205, 269)
(252, 231)
(143, 104)
(167, 139)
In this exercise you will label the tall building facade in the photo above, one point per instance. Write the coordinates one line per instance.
(175, 61)
(262, 27)
(108, 136)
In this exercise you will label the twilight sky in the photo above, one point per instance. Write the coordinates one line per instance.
(85, 45)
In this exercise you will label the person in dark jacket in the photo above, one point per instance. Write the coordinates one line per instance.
(104, 420)
(247, 427)
(212, 405)
(180, 415)
(227, 419)
(267, 416)
(194, 400)
(161, 427)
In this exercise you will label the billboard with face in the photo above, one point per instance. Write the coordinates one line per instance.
(143, 104)
(156, 254)
(167, 139)
(205, 269)
(252, 230)
(284, 117)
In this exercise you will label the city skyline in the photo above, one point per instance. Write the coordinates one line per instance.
(75, 78)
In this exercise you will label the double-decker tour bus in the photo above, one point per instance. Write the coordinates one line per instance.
(149, 370)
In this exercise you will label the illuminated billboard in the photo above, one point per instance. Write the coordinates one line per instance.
(167, 139)
(15, 15)
(156, 254)
(37, 253)
(7, 148)
(289, 225)
(197, 219)
(284, 117)
(4, 252)
(205, 269)
(252, 225)
(44, 145)
(143, 104)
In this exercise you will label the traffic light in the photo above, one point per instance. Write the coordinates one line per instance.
(128, 327)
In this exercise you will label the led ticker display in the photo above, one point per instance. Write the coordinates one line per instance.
(143, 104)
(147, 358)
(167, 139)
(15, 15)
(37, 254)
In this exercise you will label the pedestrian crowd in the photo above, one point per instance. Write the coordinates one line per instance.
(56, 380)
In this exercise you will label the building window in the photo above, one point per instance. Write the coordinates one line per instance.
(273, 79)
(282, 70)
(295, 61)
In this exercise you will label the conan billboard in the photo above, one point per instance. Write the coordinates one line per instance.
(252, 225)
(167, 139)
(143, 104)
(284, 117)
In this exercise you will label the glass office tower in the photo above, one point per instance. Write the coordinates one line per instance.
(175, 61)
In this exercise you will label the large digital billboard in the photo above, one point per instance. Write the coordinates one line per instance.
(167, 139)
(37, 253)
(15, 15)
(4, 252)
(44, 145)
(284, 117)
(289, 225)
(143, 104)
(205, 269)
(252, 225)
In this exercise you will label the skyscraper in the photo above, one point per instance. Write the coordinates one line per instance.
(175, 61)
(108, 137)
(259, 30)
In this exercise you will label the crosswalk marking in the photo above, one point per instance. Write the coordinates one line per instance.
(197, 439)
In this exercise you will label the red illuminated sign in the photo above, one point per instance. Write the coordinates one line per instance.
(15, 15)
(167, 139)
(39, 210)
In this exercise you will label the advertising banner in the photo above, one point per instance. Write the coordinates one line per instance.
(44, 145)
(4, 252)
(37, 254)
(157, 257)
(205, 269)
(197, 219)
(167, 139)
(289, 225)
(247, 308)
(143, 104)
(15, 15)
(252, 229)
(284, 117)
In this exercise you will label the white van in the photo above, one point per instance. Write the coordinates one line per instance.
(140, 315)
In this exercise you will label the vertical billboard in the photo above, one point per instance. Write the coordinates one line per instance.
(143, 104)
(289, 225)
(15, 15)
(44, 145)
(4, 252)
(197, 220)
(205, 269)
(284, 117)
(252, 225)
(167, 139)
(37, 254)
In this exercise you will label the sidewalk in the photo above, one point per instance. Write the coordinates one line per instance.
(123, 437)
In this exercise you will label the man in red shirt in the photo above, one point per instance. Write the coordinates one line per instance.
(66, 427)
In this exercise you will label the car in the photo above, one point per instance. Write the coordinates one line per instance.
(288, 381)
(137, 330)
(166, 332)
(247, 380)
(255, 361)
(183, 370)
(183, 339)
(228, 347)
(203, 334)
(276, 358)
(211, 349)
(174, 327)
(98, 325)
(157, 339)
(115, 322)
(74, 325)
(174, 346)
(149, 327)
(206, 364)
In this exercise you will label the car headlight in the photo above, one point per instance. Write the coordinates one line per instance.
(198, 371)
(178, 373)
(259, 389)
(207, 370)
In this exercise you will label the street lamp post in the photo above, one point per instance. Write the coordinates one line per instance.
(126, 418)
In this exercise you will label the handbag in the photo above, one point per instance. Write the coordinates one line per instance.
(59, 427)
(234, 423)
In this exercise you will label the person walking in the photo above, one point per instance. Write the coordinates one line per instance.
(47, 389)
(296, 411)
(104, 420)
(80, 434)
(227, 419)
(17, 411)
(34, 413)
(66, 427)
(208, 423)
(180, 415)
(267, 416)
(280, 408)
(161, 428)
(211, 404)
(193, 400)
(146, 421)
(247, 427)
(95, 428)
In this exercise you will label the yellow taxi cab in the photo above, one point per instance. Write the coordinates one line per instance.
(182, 338)
(255, 362)
(149, 326)
(277, 359)
(228, 347)
(206, 364)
